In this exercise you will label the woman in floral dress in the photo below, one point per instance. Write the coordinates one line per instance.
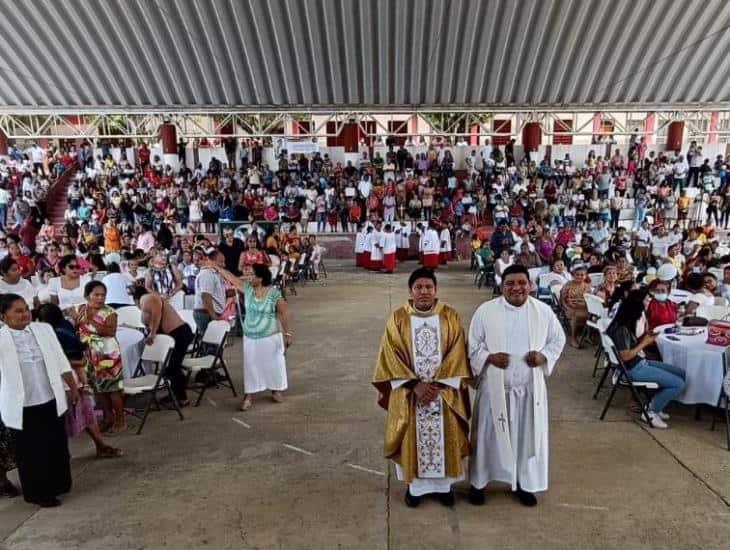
(97, 326)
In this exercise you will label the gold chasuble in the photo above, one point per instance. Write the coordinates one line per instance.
(426, 441)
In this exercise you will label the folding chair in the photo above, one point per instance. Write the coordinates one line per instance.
(289, 275)
(215, 335)
(599, 354)
(278, 279)
(620, 377)
(188, 316)
(555, 288)
(130, 316)
(724, 395)
(596, 311)
(544, 283)
(712, 312)
(481, 276)
(297, 270)
(596, 279)
(158, 353)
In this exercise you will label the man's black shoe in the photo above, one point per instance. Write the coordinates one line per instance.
(46, 502)
(410, 500)
(476, 496)
(525, 498)
(447, 499)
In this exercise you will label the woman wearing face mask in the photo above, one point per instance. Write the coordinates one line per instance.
(661, 310)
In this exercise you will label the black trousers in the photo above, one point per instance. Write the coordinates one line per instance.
(183, 337)
(41, 451)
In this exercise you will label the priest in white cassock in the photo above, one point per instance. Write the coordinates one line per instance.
(514, 342)
(420, 374)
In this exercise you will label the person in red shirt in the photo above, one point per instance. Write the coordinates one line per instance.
(661, 311)
(565, 236)
(143, 153)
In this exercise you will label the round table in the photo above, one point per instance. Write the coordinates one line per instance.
(703, 365)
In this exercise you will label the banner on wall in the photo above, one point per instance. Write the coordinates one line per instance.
(301, 147)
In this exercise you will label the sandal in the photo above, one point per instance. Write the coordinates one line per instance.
(277, 397)
(245, 404)
(109, 452)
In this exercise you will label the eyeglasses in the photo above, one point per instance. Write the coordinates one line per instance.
(72, 266)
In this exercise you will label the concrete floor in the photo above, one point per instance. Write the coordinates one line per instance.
(309, 473)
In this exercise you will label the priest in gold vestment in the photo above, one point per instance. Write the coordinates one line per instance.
(420, 374)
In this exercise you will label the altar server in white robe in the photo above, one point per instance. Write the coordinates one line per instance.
(431, 247)
(388, 244)
(514, 343)
(404, 242)
(367, 247)
(360, 247)
(444, 246)
(376, 251)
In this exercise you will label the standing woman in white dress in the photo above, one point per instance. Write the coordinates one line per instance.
(266, 335)
(195, 213)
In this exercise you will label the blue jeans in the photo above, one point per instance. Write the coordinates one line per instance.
(669, 378)
(639, 214)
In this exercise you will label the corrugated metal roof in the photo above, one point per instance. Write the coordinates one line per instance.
(335, 54)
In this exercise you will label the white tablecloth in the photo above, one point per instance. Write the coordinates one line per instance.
(702, 364)
(130, 342)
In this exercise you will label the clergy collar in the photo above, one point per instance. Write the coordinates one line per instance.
(510, 307)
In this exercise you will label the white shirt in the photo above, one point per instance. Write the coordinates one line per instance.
(659, 246)
(643, 236)
(365, 187)
(702, 299)
(116, 289)
(33, 371)
(68, 298)
(22, 288)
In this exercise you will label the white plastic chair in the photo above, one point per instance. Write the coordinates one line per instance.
(129, 316)
(596, 279)
(215, 335)
(620, 377)
(188, 316)
(158, 353)
(596, 312)
(712, 312)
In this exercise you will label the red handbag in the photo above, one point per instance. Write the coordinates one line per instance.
(718, 333)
